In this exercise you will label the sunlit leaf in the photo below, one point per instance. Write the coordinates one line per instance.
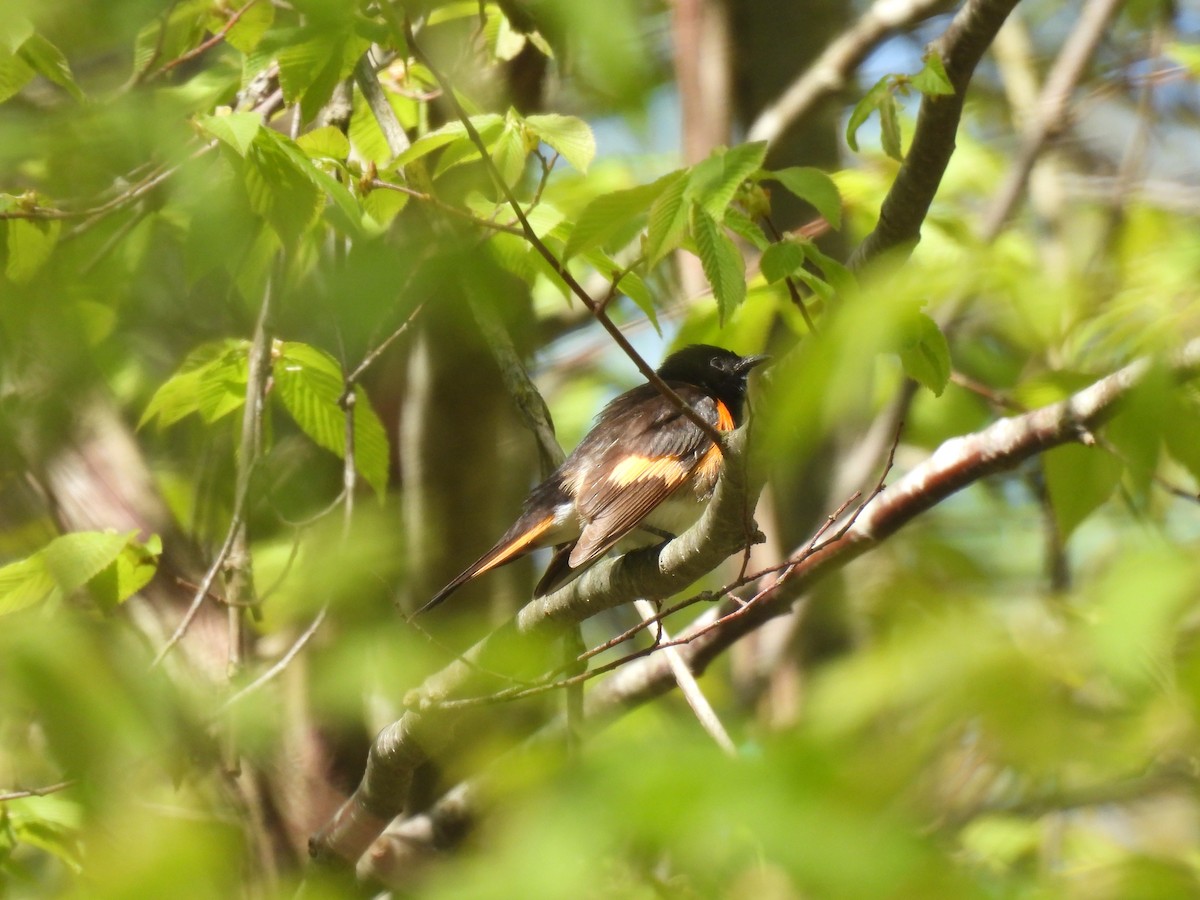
(569, 135)
(235, 129)
(309, 384)
(869, 103)
(251, 26)
(1079, 480)
(326, 141)
(610, 213)
(210, 382)
(49, 62)
(889, 127)
(714, 181)
(932, 80)
(30, 242)
(668, 218)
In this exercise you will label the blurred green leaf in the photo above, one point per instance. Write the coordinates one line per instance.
(781, 259)
(1079, 480)
(211, 382)
(309, 384)
(29, 242)
(925, 354)
(235, 129)
(741, 225)
(812, 186)
(49, 62)
(569, 135)
(72, 560)
(722, 262)
(328, 141)
(447, 134)
(168, 37)
(15, 73)
(251, 26)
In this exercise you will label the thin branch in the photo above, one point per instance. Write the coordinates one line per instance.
(377, 101)
(695, 698)
(835, 67)
(559, 268)
(23, 793)
(280, 664)
(907, 203)
(1051, 108)
(216, 38)
(445, 207)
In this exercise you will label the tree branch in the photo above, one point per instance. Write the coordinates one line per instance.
(907, 203)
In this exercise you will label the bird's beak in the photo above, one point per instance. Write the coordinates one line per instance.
(751, 362)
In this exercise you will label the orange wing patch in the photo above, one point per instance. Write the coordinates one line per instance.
(515, 547)
(643, 468)
(724, 417)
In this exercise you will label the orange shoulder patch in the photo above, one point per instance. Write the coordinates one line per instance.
(643, 468)
(724, 417)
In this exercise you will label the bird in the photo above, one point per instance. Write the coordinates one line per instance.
(643, 474)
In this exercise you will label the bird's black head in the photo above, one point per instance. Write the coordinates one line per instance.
(718, 371)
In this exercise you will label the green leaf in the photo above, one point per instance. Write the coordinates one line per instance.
(569, 135)
(210, 382)
(71, 561)
(251, 26)
(327, 141)
(161, 41)
(925, 354)
(668, 218)
(24, 583)
(932, 80)
(815, 187)
(30, 243)
(889, 125)
(510, 151)
(781, 260)
(313, 60)
(631, 284)
(131, 571)
(280, 190)
(840, 278)
(1079, 480)
(464, 150)
(235, 129)
(1181, 431)
(309, 383)
(343, 200)
(608, 214)
(723, 264)
(863, 109)
(15, 73)
(746, 228)
(49, 62)
(447, 134)
(715, 180)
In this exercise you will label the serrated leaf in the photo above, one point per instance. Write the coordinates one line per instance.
(723, 264)
(131, 571)
(251, 26)
(73, 560)
(210, 382)
(863, 109)
(815, 187)
(327, 141)
(570, 136)
(343, 201)
(889, 128)
(30, 243)
(668, 218)
(925, 354)
(49, 62)
(281, 191)
(237, 130)
(714, 181)
(1079, 480)
(510, 152)
(464, 150)
(608, 214)
(309, 383)
(747, 229)
(932, 80)
(631, 284)
(161, 41)
(780, 260)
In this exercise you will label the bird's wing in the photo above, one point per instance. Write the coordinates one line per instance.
(658, 450)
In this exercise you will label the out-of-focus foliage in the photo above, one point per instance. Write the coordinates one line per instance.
(1015, 708)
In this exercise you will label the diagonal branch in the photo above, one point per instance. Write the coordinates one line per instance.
(904, 209)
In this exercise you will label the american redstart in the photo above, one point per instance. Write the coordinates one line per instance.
(644, 472)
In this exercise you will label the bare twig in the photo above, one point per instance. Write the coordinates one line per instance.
(705, 714)
(216, 38)
(1051, 108)
(393, 132)
(23, 793)
(424, 197)
(280, 664)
